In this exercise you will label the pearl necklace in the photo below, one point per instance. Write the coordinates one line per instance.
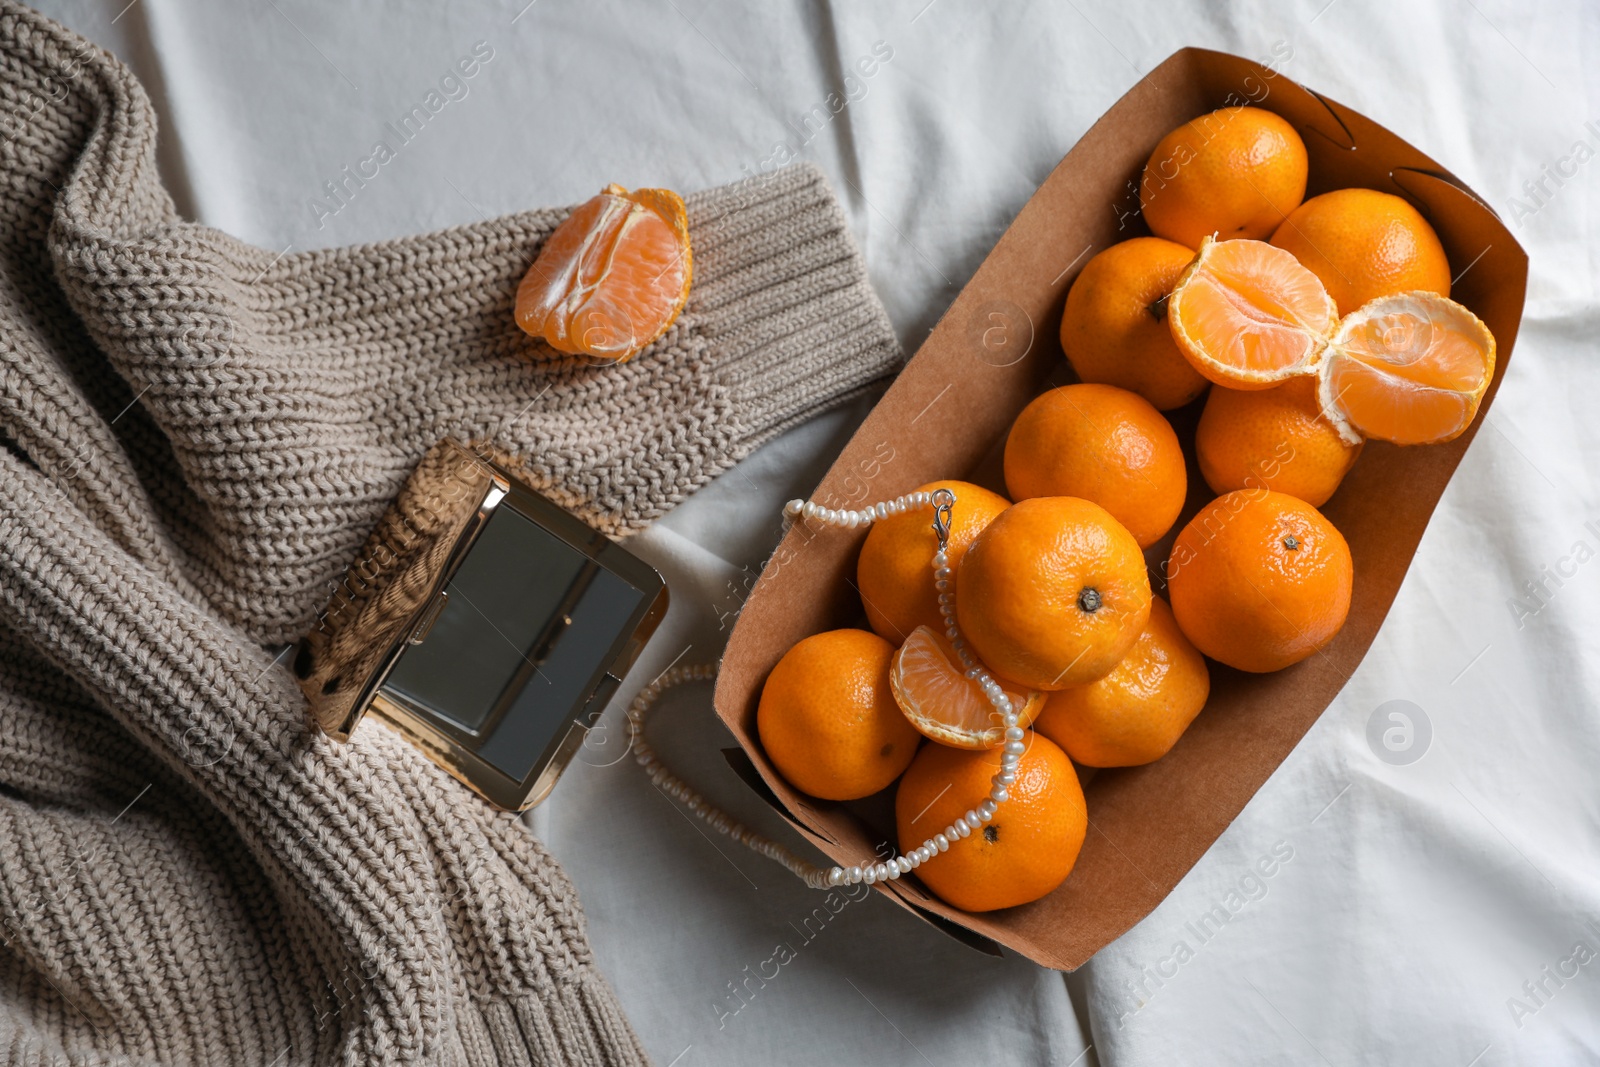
(942, 501)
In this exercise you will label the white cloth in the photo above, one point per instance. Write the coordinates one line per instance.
(1407, 905)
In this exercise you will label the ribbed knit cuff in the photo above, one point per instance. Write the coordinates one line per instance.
(782, 294)
(577, 1023)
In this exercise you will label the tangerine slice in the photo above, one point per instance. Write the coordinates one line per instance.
(612, 277)
(1247, 315)
(943, 703)
(1410, 368)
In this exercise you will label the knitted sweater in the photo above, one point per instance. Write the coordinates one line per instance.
(197, 437)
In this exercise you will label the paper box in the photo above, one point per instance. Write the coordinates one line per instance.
(947, 416)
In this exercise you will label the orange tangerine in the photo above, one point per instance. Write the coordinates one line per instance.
(1103, 444)
(1272, 439)
(894, 572)
(1410, 368)
(1364, 244)
(1236, 172)
(612, 277)
(945, 705)
(1248, 315)
(1260, 580)
(1136, 713)
(828, 720)
(1114, 329)
(1053, 593)
(1024, 852)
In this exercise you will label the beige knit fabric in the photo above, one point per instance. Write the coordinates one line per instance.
(198, 435)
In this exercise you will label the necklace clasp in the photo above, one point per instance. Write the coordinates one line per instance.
(943, 500)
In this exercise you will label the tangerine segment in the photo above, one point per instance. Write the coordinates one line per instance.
(1248, 315)
(943, 703)
(1410, 368)
(612, 277)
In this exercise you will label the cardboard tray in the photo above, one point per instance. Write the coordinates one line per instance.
(946, 416)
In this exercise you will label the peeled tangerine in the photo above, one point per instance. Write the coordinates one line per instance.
(1248, 315)
(612, 277)
(938, 698)
(1410, 367)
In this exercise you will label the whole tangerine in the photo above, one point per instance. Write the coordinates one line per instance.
(1235, 172)
(1136, 713)
(1023, 853)
(1053, 593)
(1103, 444)
(828, 720)
(1364, 244)
(894, 573)
(1274, 439)
(1260, 580)
(1114, 329)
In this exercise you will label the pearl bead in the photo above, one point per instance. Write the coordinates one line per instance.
(881, 511)
(986, 810)
(1014, 733)
(792, 508)
(941, 842)
(1015, 748)
(998, 794)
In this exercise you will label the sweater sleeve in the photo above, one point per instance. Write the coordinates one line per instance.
(196, 436)
(296, 392)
